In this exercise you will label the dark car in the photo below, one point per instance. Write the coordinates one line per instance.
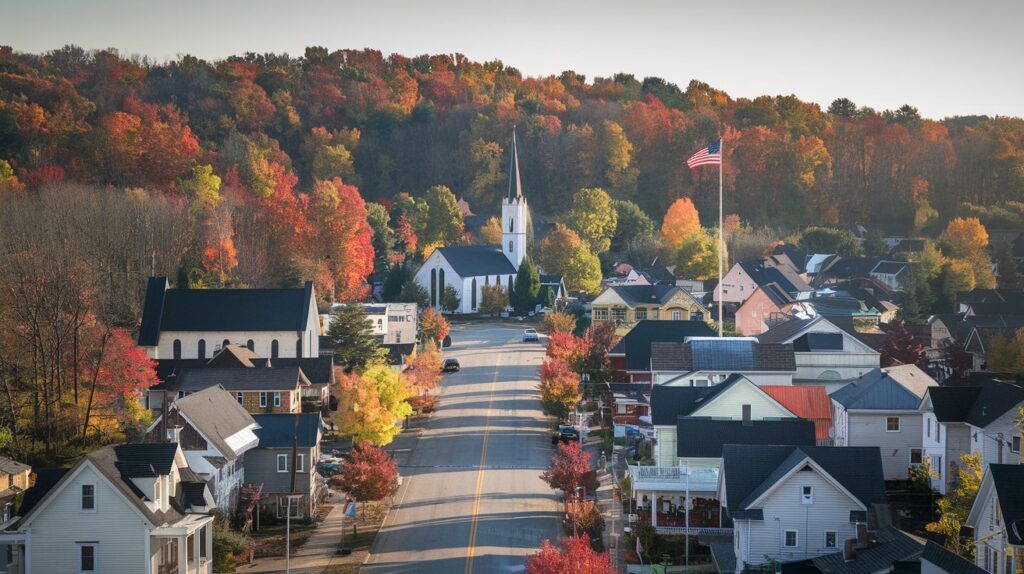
(565, 434)
(450, 366)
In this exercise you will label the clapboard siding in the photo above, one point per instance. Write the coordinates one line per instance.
(730, 403)
(868, 429)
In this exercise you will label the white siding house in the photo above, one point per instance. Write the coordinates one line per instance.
(996, 518)
(824, 354)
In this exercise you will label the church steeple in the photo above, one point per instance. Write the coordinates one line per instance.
(515, 187)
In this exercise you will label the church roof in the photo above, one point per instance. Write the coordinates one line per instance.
(515, 187)
(476, 260)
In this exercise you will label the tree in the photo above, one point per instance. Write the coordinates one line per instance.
(579, 557)
(1007, 266)
(494, 299)
(490, 232)
(562, 252)
(367, 474)
(355, 345)
(559, 323)
(527, 286)
(598, 341)
(956, 505)
(443, 223)
(372, 404)
(383, 236)
(681, 221)
(593, 217)
(842, 107)
(965, 238)
(696, 256)
(449, 298)
(433, 325)
(569, 348)
(828, 240)
(957, 359)
(559, 388)
(633, 227)
(901, 347)
(570, 463)
(340, 237)
(424, 372)
(1006, 355)
(875, 245)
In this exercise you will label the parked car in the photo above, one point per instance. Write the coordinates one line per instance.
(530, 336)
(451, 366)
(446, 342)
(566, 434)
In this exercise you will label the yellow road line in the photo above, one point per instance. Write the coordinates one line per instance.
(471, 547)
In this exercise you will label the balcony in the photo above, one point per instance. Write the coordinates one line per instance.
(674, 478)
(706, 518)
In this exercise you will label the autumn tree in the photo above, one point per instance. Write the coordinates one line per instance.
(367, 474)
(597, 342)
(956, 505)
(828, 240)
(379, 219)
(351, 334)
(559, 323)
(443, 223)
(696, 256)
(424, 372)
(569, 348)
(562, 252)
(433, 325)
(570, 464)
(559, 388)
(1006, 355)
(901, 347)
(490, 232)
(340, 237)
(966, 239)
(372, 405)
(493, 300)
(681, 221)
(593, 217)
(578, 557)
(526, 287)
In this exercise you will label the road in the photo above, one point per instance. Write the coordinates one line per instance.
(471, 498)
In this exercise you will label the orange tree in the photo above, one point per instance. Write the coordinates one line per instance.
(368, 474)
(578, 557)
(433, 325)
(559, 388)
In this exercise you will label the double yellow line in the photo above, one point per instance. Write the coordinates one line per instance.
(471, 547)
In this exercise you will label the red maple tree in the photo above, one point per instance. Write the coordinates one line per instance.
(576, 558)
(569, 466)
(902, 348)
(368, 474)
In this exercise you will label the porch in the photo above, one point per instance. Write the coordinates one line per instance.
(663, 494)
(185, 547)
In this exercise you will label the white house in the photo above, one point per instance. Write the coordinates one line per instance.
(214, 432)
(468, 268)
(122, 509)
(880, 409)
(196, 323)
(824, 354)
(792, 503)
(973, 419)
(707, 361)
(997, 518)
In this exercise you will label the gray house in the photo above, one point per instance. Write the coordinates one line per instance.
(880, 409)
(271, 463)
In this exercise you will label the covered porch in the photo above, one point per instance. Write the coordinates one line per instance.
(186, 547)
(665, 495)
(12, 550)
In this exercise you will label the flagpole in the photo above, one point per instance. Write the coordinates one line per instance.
(721, 232)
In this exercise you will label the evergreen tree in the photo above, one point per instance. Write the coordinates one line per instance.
(527, 286)
(355, 345)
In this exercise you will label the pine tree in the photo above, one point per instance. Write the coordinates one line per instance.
(527, 286)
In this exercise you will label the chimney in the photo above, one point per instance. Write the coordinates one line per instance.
(862, 534)
(747, 422)
(849, 551)
(174, 434)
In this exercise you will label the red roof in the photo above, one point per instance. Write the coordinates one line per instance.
(811, 403)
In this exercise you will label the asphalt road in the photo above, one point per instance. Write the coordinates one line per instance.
(471, 498)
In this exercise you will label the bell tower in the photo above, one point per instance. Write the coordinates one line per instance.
(514, 212)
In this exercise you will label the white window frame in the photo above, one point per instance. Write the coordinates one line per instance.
(920, 452)
(95, 562)
(1015, 443)
(928, 427)
(81, 500)
(263, 399)
(676, 315)
(835, 539)
(240, 397)
(277, 400)
(899, 424)
(796, 538)
(282, 504)
(281, 457)
(807, 494)
(300, 462)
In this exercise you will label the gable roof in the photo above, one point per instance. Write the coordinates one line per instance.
(11, 466)
(633, 295)
(876, 390)
(911, 377)
(893, 546)
(236, 379)
(699, 437)
(1008, 480)
(978, 404)
(751, 470)
(776, 294)
(814, 342)
(729, 354)
(668, 403)
(891, 267)
(782, 275)
(788, 330)
(318, 370)
(279, 430)
(948, 561)
(217, 416)
(477, 260)
(807, 402)
(164, 309)
(46, 479)
(636, 344)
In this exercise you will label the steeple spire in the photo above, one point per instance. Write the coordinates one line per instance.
(515, 187)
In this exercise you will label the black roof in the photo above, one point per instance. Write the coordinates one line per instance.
(319, 370)
(278, 430)
(810, 342)
(1009, 482)
(668, 403)
(700, 437)
(785, 331)
(784, 276)
(893, 546)
(732, 354)
(948, 561)
(46, 479)
(891, 267)
(636, 344)
(751, 470)
(145, 459)
(634, 295)
(978, 404)
(236, 379)
(164, 309)
(477, 260)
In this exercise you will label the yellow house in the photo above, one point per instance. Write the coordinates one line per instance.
(627, 304)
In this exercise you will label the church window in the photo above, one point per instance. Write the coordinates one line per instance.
(510, 247)
(433, 287)
(509, 284)
(472, 297)
(511, 225)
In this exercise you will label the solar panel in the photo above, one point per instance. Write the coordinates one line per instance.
(722, 355)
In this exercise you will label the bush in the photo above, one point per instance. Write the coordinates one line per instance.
(227, 544)
(921, 476)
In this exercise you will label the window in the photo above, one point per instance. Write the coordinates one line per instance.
(601, 314)
(619, 313)
(640, 313)
(398, 337)
(202, 542)
(510, 247)
(807, 494)
(892, 424)
(263, 399)
(251, 345)
(300, 463)
(282, 507)
(201, 349)
(830, 538)
(676, 315)
(916, 456)
(1015, 444)
(277, 399)
(928, 427)
(177, 348)
(988, 559)
(282, 463)
(87, 554)
(696, 316)
(1009, 564)
(472, 296)
(240, 398)
(789, 540)
(88, 497)
(511, 225)
(273, 349)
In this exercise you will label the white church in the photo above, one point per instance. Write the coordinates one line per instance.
(468, 268)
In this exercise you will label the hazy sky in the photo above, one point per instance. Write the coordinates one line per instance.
(945, 57)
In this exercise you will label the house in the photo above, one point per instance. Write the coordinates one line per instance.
(978, 418)
(552, 290)
(631, 356)
(468, 268)
(980, 301)
(630, 408)
(892, 274)
(935, 559)
(257, 389)
(122, 509)
(271, 463)
(997, 518)
(214, 432)
(766, 307)
(823, 353)
(881, 409)
(884, 550)
(980, 338)
(838, 269)
(627, 304)
(706, 361)
(377, 317)
(626, 276)
(195, 323)
(791, 503)
(14, 480)
(808, 403)
(746, 276)
(845, 309)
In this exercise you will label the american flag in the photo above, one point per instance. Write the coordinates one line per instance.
(711, 155)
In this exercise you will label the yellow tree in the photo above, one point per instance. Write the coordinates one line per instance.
(563, 253)
(373, 404)
(956, 505)
(681, 220)
(490, 233)
(593, 217)
(966, 238)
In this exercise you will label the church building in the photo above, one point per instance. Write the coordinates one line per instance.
(468, 268)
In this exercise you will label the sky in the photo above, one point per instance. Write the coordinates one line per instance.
(945, 58)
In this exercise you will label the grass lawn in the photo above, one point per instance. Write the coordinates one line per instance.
(269, 539)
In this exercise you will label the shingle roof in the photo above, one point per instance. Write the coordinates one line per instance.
(782, 275)
(11, 466)
(279, 430)
(699, 437)
(319, 370)
(668, 403)
(732, 354)
(634, 295)
(217, 415)
(636, 344)
(807, 402)
(813, 342)
(477, 260)
(876, 390)
(46, 479)
(1009, 482)
(165, 309)
(751, 470)
(978, 404)
(949, 562)
(787, 331)
(236, 379)
(894, 546)
(158, 457)
(776, 294)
